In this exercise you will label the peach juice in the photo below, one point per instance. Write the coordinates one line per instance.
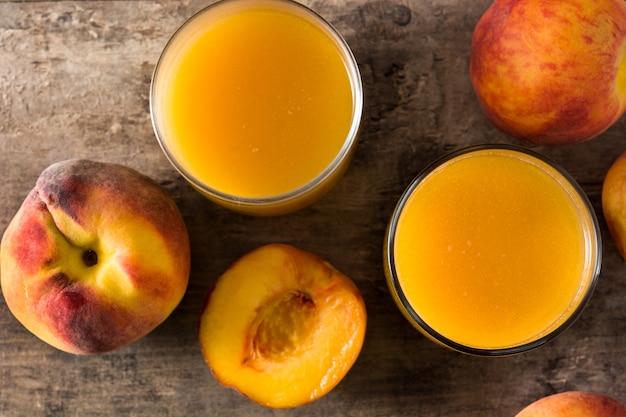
(257, 103)
(492, 251)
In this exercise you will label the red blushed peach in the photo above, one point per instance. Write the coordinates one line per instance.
(575, 404)
(551, 72)
(282, 326)
(96, 257)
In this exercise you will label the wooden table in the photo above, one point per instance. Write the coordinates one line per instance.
(74, 80)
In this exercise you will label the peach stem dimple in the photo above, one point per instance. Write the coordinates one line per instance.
(90, 258)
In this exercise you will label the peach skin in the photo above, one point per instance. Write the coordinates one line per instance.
(575, 404)
(551, 72)
(614, 202)
(96, 257)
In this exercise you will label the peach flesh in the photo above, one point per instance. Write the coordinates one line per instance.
(282, 326)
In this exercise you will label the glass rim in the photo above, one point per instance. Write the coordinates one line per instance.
(593, 270)
(349, 142)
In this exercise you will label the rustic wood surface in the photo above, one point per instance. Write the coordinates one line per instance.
(74, 80)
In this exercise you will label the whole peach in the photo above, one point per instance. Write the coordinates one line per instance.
(614, 202)
(96, 257)
(551, 72)
(575, 404)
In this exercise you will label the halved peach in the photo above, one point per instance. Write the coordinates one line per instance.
(282, 326)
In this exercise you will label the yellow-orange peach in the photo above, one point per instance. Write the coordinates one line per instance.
(96, 257)
(282, 326)
(614, 202)
(575, 404)
(551, 72)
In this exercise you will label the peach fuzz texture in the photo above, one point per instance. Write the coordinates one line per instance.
(549, 72)
(143, 257)
(575, 404)
(614, 202)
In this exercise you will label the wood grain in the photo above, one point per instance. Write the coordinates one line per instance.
(74, 80)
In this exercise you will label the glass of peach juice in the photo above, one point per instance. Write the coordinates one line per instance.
(492, 250)
(257, 104)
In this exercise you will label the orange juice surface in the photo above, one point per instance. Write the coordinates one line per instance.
(257, 101)
(490, 249)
